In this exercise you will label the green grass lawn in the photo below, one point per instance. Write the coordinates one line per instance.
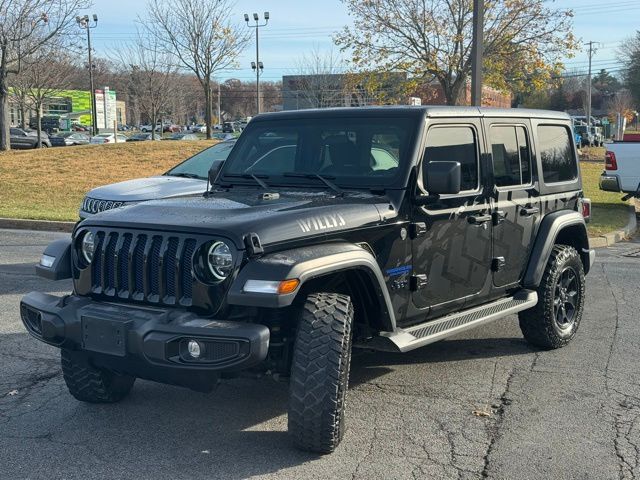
(608, 211)
(50, 183)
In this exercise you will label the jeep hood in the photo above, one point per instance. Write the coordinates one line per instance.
(151, 188)
(233, 214)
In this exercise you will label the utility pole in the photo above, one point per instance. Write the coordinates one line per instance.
(85, 23)
(588, 112)
(257, 66)
(219, 114)
(476, 53)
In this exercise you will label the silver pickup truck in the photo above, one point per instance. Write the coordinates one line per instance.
(622, 167)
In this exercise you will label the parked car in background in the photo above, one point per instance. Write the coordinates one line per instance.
(148, 128)
(76, 127)
(222, 136)
(598, 136)
(171, 128)
(229, 127)
(198, 128)
(187, 178)
(108, 138)
(23, 139)
(622, 168)
(587, 137)
(142, 137)
(67, 139)
(183, 136)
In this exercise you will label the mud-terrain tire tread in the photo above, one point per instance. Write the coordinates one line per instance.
(89, 384)
(537, 323)
(320, 372)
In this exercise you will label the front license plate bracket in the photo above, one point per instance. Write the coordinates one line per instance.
(103, 335)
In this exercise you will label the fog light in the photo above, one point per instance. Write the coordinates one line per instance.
(194, 348)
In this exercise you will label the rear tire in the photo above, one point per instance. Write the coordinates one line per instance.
(90, 384)
(320, 372)
(554, 321)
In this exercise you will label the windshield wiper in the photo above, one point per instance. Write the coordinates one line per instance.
(323, 178)
(249, 175)
(185, 175)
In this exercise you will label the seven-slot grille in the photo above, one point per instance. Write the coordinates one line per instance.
(143, 266)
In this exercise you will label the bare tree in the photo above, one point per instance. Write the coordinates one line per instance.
(19, 96)
(431, 40)
(152, 76)
(202, 37)
(321, 79)
(25, 26)
(44, 75)
(621, 103)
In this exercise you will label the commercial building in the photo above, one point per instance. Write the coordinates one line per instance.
(346, 90)
(72, 107)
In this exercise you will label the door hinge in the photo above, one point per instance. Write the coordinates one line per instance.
(498, 264)
(417, 229)
(417, 282)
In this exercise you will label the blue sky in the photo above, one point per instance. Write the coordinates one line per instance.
(297, 26)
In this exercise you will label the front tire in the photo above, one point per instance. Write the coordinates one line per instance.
(90, 384)
(320, 372)
(554, 321)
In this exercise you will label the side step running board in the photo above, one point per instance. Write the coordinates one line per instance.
(425, 333)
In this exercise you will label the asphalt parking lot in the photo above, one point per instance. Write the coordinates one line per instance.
(483, 404)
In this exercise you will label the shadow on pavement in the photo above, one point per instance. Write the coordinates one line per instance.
(235, 432)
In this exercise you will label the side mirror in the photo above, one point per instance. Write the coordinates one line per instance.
(216, 166)
(442, 178)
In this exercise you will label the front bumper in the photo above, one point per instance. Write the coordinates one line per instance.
(609, 183)
(147, 343)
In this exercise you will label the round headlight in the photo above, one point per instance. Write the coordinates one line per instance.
(220, 260)
(88, 246)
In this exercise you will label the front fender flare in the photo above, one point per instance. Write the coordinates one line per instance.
(307, 263)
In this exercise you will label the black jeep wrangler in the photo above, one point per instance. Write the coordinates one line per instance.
(384, 228)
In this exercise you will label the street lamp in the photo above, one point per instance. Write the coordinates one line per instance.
(85, 23)
(257, 66)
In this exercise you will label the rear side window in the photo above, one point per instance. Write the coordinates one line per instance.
(556, 153)
(511, 157)
(455, 144)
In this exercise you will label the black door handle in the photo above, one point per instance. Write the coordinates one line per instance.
(498, 217)
(527, 211)
(479, 219)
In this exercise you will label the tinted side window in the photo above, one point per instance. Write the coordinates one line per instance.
(455, 144)
(511, 158)
(558, 162)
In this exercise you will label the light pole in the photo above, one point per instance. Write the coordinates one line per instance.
(257, 66)
(84, 22)
(476, 53)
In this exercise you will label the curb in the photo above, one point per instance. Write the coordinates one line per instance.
(616, 236)
(40, 225)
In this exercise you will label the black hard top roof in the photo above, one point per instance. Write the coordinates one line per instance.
(431, 111)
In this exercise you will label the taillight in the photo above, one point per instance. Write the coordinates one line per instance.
(610, 162)
(584, 207)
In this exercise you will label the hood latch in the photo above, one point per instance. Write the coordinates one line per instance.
(252, 244)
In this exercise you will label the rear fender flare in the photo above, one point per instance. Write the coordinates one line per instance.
(551, 230)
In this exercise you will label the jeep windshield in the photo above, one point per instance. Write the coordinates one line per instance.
(349, 152)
